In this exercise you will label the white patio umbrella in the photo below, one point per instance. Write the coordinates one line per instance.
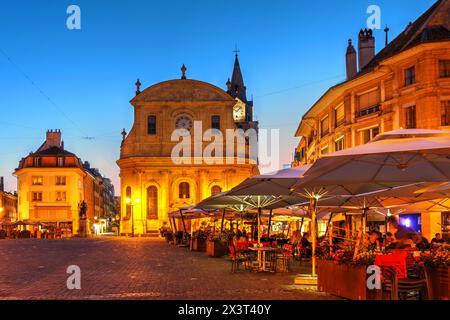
(390, 160)
(269, 191)
(394, 159)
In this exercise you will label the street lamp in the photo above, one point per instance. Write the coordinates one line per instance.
(129, 202)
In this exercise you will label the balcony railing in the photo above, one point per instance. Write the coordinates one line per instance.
(367, 111)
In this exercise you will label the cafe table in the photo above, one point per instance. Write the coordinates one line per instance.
(262, 256)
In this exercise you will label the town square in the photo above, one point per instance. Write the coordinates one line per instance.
(225, 150)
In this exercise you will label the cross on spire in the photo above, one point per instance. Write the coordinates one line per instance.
(236, 51)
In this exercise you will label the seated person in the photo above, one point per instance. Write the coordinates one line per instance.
(388, 239)
(306, 244)
(437, 240)
(421, 242)
(243, 238)
(402, 234)
(373, 241)
(305, 240)
(294, 238)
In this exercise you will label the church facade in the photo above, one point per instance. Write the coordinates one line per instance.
(152, 183)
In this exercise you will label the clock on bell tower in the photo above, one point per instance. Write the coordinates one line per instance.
(239, 111)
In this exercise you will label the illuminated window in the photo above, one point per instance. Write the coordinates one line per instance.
(339, 144)
(37, 196)
(410, 118)
(60, 196)
(215, 190)
(410, 76)
(215, 122)
(60, 180)
(339, 115)
(37, 180)
(445, 113)
(444, 69)
(152, 202)
(151, 125)
(183, 190)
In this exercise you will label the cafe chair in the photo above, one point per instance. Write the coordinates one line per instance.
(415, 282)
(285, 257)
(271, 261)
(236, 259)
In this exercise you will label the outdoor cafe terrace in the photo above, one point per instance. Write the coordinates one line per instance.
(351, 215)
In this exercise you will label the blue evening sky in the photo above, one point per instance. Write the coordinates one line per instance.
(81, 81)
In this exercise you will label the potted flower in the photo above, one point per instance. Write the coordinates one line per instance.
(437, 265)
(217, 245)
(342, 274)
(199, 240)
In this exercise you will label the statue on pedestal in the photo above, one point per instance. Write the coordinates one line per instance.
(82, 210)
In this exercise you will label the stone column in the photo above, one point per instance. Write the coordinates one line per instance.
(163, 208)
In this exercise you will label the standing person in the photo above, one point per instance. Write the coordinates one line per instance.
(401, 234)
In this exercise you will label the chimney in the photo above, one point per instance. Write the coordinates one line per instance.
(53, 139)
(366, 47)
(2, 184)
(350, 61)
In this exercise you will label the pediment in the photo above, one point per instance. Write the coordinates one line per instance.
(182, 90)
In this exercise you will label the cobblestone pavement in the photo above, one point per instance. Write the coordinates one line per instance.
(124, 268)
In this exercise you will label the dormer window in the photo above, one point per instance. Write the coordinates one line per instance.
(60, 161)
(37, 162)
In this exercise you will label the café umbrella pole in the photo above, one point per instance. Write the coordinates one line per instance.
(182, 220)
(313, 208)
(223, 219)
(259, 225)
(270, 224)
(174, 225)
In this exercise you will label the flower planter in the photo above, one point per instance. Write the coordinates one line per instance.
(439, 285)
(216, 249)
(344, 280)
(199, 244)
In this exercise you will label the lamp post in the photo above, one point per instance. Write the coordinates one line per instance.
(129, 202)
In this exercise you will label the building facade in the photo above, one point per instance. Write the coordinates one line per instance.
(406, 85)
(53, 182)
(8, 204)
(153, 183)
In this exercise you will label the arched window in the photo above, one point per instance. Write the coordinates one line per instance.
(183, 191)
(152, 202)
(127, 203)
(215, 190)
